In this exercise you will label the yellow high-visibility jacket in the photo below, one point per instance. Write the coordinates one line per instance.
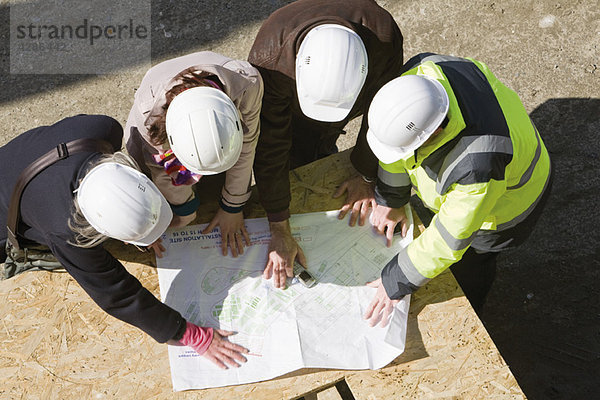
(481, 176)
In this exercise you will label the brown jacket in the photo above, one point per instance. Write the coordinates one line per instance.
(244, 86)
(274, 54)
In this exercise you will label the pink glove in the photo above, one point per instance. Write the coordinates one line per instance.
(197, 338)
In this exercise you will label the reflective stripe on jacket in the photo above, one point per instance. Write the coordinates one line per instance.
(485, 172)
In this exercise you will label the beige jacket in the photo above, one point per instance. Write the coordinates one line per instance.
(242, 83)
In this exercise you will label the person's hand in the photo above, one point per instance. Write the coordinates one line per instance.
(358, 199)
(178, 221)
(385, 219)
(158, 247)
(233, 231)
(381, 306)
(283, 249)
(224, 353)
(212, 344)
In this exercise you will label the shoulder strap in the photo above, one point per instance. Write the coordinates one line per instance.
(60, 152)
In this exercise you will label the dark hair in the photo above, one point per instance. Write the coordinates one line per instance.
(189, 79)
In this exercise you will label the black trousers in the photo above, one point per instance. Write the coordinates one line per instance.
(313, 140)
(475, 273)
(2, 250)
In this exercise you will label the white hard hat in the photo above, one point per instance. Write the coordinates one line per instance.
(403, 115)
(331, 69)
(124, 204)
(204, 130)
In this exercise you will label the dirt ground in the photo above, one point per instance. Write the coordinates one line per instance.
(543, 312)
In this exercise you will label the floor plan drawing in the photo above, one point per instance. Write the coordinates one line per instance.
(286, 329)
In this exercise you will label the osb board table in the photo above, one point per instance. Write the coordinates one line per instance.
(55, 343)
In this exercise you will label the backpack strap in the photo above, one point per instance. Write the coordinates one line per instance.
(60, 152)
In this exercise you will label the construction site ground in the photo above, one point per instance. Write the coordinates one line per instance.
(543, 311)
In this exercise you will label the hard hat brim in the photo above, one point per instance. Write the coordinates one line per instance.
(323, 113)
(384, 153)
(164, 219)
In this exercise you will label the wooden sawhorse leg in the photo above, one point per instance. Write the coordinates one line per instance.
(340, 385)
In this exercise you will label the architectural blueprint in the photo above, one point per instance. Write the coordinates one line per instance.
(285, 330)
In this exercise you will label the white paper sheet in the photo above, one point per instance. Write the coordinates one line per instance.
(320, 327)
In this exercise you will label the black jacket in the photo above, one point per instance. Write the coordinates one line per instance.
(46, 206)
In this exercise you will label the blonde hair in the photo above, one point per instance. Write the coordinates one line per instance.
(85, 234)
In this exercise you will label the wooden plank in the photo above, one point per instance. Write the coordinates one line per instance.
(56, 343)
